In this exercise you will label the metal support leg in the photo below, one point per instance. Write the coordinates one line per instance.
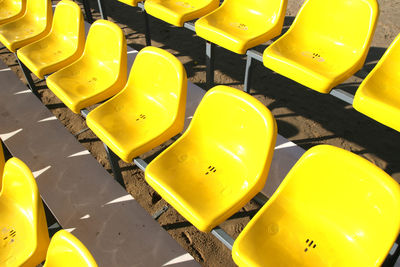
(113, 159)
(247, 74)
(88, 13)
(27, 74)
(160, 212)
(147, 28)
(210, 47)
(102, 9)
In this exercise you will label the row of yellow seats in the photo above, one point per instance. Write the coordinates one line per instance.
(133, 126)
(215, 168)
(64, 44)
(326, 44)
(222, 161)
(24, 237)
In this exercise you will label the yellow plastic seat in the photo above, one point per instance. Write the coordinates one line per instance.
(32, 26)
(177, 12)
(98, 74)
(11, 10)
(148, 111)
(62, 46)
(378, 96)
(66, 250)
(220, 162)
(23, 229)
(334, 208)
(131, 2)
(239, 25)
(326, 44)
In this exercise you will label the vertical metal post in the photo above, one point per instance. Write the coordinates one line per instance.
(27, 74)
(113, 159)
(147, 27)
(248, 74)
(210, 47)
(102, 9)
(88, 13)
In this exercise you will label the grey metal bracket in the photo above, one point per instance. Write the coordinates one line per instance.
(343, 95)
(189, 25)
(84, 112)
(160, 212)
(140, 163)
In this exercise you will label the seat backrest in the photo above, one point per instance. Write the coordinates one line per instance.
(390, 61)
(21, 194)
(39, 11)
(16, 7)
(160, 77)
(66, 250)
(68, 24)
(241, 126)
(106, 45)
(344, 204)
(347, 23)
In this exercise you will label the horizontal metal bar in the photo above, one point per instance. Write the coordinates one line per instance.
(81, 131)
(260, 198)
(226, 239)
(393, 249)
(140, 163)
(84, 112)
(343, 95)
(255, 54)
(189, 25)
(141, 5)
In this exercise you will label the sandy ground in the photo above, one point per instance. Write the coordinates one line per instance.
(303, 116)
